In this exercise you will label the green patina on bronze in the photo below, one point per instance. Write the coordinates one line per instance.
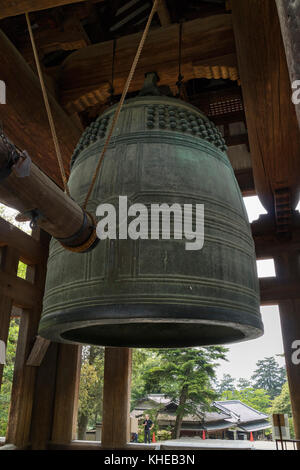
(154, 293)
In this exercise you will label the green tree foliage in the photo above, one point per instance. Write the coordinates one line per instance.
(22, 268)
(8, 372)
(282, 404)
(185, 375)
(269, 376)
(142, 361)
(243, 383)
(256, 398)
(90, 389)
(226, 383)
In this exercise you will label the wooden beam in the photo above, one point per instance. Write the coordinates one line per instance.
(85, 74)
(163, 13)
(31, 252)
(24, 117)
(18, 7)
(116, 398)
(51, 40)
(245, 181)
(274, 291)
(38, 351)
(285, 286)
(268, 244)
(22, 292)
(271, 119)
(36, 192)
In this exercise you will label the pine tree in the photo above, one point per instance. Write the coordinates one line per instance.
(269, 376)
(185, 375)
(227, 383)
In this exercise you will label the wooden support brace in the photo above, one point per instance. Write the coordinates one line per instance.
(38, 352)
(31, 251)
(163, 13)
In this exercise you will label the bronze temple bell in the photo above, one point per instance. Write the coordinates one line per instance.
(155, 293)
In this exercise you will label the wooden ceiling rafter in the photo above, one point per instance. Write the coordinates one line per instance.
(85, 79)
(163, 13)
(19, 7)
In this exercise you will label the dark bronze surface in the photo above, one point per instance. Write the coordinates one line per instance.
(154, 293)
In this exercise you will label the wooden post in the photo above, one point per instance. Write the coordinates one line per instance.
(18, 429)
(287, 267)
(290, 326)
(274, 136)
(288, 12)
(9, 264)
(116, 398)
(43, 403)
(66, 394)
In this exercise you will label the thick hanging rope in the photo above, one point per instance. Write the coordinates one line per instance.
(48, 109)
(112, 90)
(180, 76)
(121, 102)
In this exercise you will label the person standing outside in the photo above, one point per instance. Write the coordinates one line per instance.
(148, 425)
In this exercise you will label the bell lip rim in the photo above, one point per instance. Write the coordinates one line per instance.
(62, 323)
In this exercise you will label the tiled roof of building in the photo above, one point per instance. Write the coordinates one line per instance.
(240, 411)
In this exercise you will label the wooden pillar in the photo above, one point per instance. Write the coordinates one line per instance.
(116, 398)
(288, 12)
(19, 422)
(288, 270)
(66, 394)
(43, 403)
(273, 130)
(9, 260)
